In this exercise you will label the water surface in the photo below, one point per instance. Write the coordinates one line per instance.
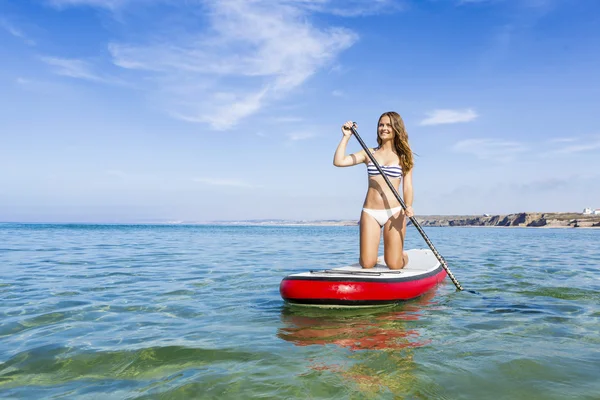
(179, 312)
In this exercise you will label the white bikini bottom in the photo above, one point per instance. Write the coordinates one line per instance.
(382, 216)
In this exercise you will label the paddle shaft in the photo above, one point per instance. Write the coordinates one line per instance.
(413, 219)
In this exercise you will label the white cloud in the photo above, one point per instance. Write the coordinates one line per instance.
(562, 140)
(438, 117)
(572, 145)
(300, 136)
(490, 149)
(523, 3)
(233, 107)
(109, 4)
(224, 182)
(461, 2)
(286, 119)
(78, 69)
(241, 56)
(117, 173)
(234, 59)
(578, 148)
(345, 8)
(14, 31)
(253, 53)
(351, 8)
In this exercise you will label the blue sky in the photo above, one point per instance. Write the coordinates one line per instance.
(200, 110)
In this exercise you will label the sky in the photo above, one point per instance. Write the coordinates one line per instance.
(202, 110)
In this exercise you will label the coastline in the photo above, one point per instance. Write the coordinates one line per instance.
(518, 220)
(524, 219)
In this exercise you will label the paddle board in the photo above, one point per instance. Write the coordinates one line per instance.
(352, 285)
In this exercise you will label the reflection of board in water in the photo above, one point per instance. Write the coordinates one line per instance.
(381, 341)
(366, 330)
(354, 286)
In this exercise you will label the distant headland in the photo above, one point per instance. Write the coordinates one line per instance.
(524, 219)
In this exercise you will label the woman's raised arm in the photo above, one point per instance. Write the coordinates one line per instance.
(340, 159)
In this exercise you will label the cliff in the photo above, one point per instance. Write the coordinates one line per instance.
(573, 220)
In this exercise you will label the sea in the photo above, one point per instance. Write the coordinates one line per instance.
(194, 312)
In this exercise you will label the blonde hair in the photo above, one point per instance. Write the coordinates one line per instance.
(400, 140)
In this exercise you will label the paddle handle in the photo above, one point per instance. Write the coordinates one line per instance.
(412, 219)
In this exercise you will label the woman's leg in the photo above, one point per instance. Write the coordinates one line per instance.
(394, 231)
(370, 235)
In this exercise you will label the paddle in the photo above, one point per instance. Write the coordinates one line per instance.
(413, 219)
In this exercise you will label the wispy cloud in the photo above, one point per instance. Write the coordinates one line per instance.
(578, 148)
(225, 182)
(438, 117)
(117, 173)
(524, 3)
(295, 136)
(286, 119)
(490, 149)
(571, 145)
(109, 4)
(351, 8)
(233, 107)
(345, 8)
(11, 28)
(253, 53)
(562, 140)
(78, 69)
(506, 37)
(243, 57)
(464, 2)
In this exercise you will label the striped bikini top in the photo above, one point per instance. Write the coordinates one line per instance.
(391, 171)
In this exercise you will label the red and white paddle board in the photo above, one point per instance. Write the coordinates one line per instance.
(353, 285)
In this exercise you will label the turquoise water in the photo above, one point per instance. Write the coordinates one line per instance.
(179, 312)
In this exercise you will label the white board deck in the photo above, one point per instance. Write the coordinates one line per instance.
(420, 262)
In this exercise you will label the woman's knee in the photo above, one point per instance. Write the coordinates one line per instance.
(397, 262)
(367, 262)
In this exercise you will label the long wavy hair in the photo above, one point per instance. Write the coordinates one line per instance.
(400, 140)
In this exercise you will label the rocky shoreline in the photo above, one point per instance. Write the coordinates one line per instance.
(525, 219)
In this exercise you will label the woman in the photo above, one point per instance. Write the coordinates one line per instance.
(381, 208)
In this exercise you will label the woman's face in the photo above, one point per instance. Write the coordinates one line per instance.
(384, 129)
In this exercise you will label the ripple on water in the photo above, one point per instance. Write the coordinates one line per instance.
(564, 293)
